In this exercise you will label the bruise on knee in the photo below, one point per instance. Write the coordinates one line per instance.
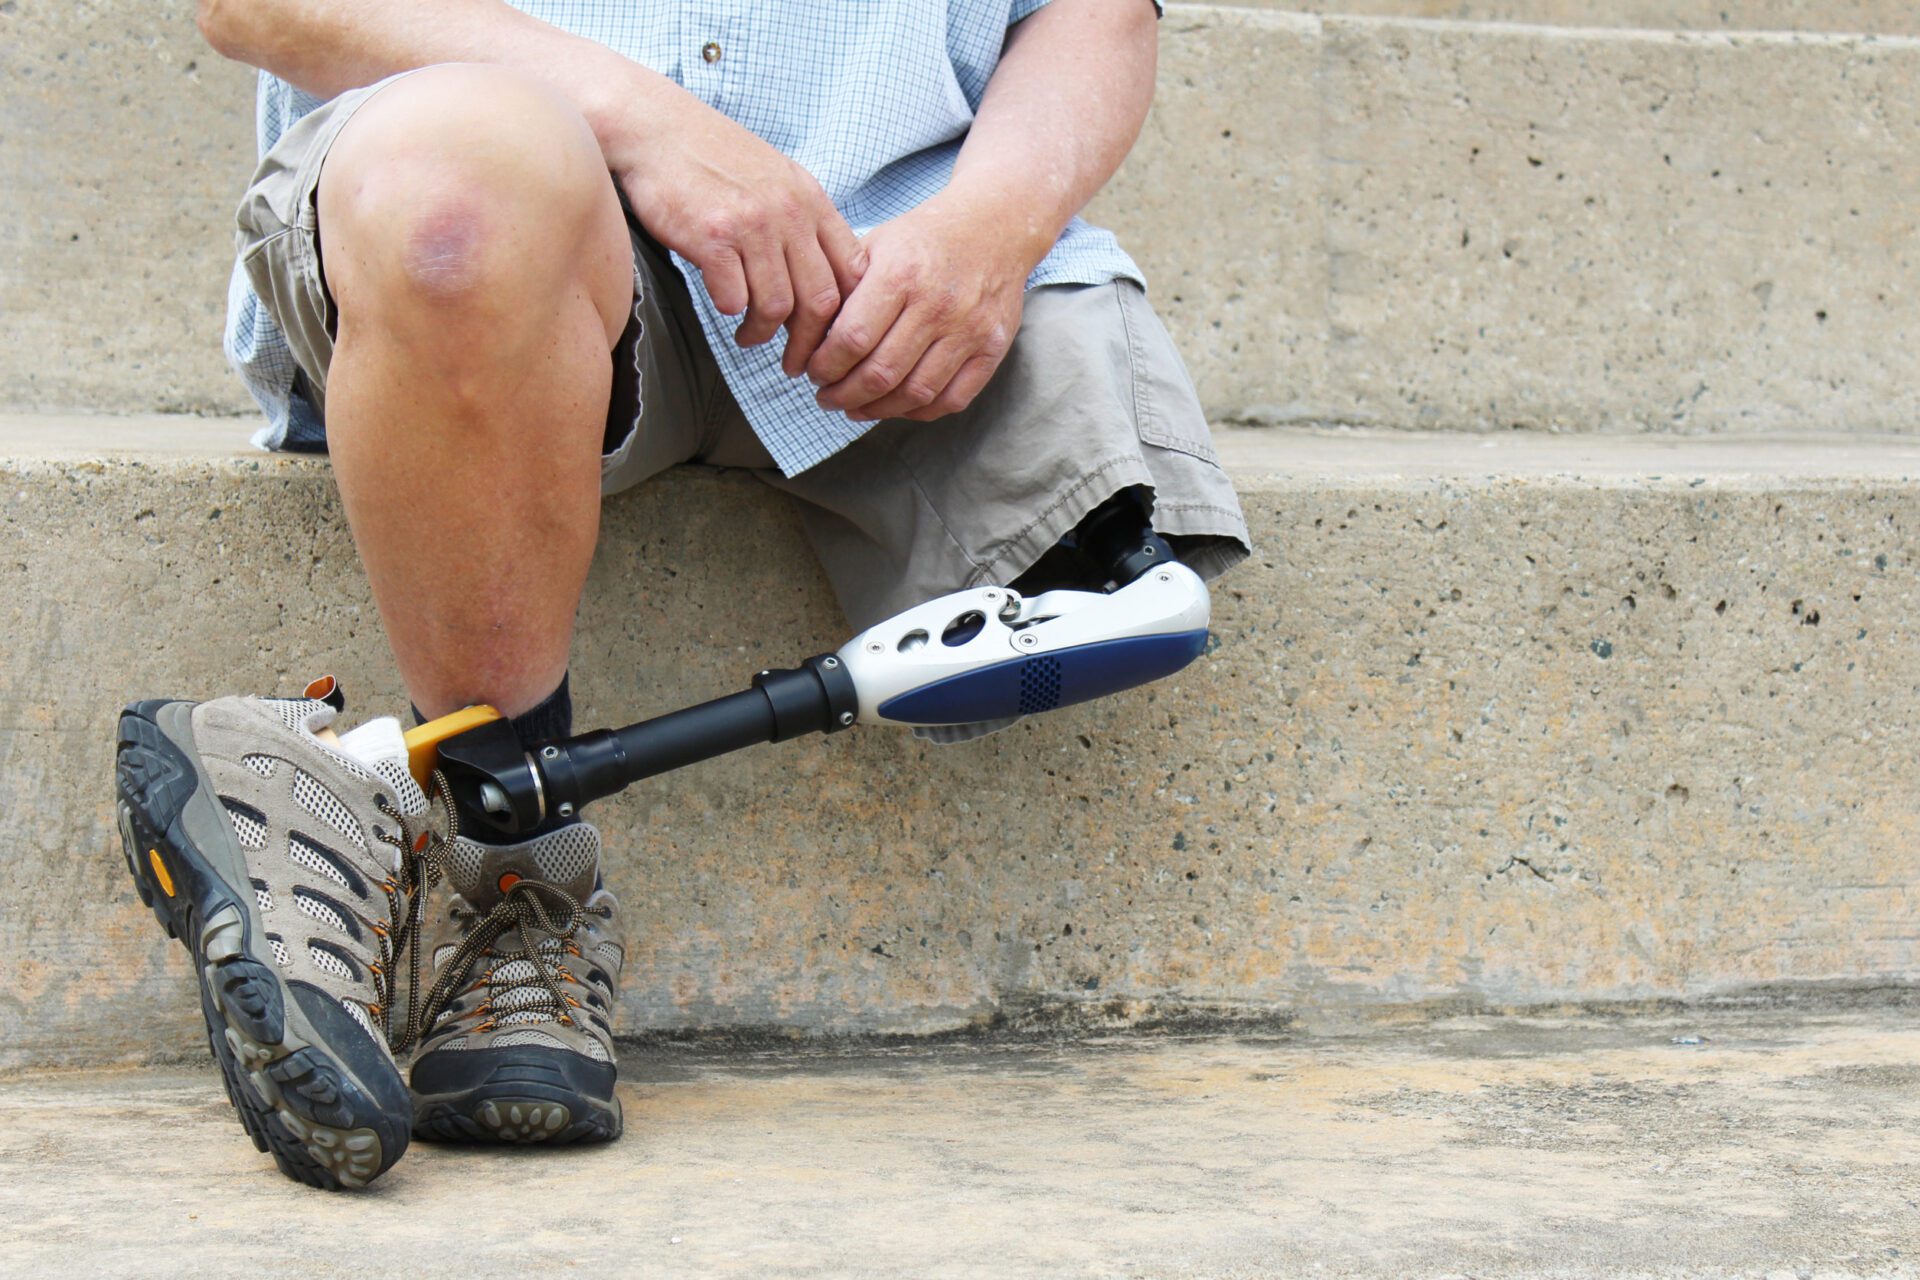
(444, 251)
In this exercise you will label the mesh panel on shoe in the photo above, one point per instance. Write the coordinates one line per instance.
(515, 1038)
(514, 972)
(263, 896)
(407, 795)
(519, 999)
(328, 963)
(326, 806)
(516, 1019)
(281, 956)
(592, 1047)
(566, 858)
(611, 953)
(320, 911)
(444, 953)
(262, 765)
(565, 855)
(247, 825)
(294, 712)
(467, 867)
(305, 854)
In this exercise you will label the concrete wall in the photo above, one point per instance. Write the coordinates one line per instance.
(1462, 226)
(1479, 727)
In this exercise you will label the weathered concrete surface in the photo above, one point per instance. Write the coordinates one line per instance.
(124, 144)
(1346, 220)
(1477, 227)
(1490, 720)
(1881, 17)
(1781, 1146)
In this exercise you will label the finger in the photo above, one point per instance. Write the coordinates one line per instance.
(770, 293)
(816, 302)
(844, 251)
(725, 279)
(921, 387)
(865, 318)
(886, 366)
(971, 379)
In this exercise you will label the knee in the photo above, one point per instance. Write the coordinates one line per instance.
(459, 186)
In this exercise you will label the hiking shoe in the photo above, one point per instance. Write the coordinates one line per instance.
(518, 1037)
(282, 862)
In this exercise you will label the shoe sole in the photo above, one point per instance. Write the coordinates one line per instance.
(524, 1100)
(296, 1099)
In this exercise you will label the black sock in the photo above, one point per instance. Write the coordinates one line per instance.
(551, 717)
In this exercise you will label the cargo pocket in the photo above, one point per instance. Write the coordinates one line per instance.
(1166, 407)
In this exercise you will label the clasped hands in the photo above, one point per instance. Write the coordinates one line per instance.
(910, 322)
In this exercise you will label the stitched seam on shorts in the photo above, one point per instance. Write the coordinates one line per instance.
(1006, 546)
(1146, 421)
(1197, 506)
(1135, 358)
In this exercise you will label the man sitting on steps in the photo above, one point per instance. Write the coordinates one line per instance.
(499, 262)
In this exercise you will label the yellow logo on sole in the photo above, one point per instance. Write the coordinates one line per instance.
(160, 871)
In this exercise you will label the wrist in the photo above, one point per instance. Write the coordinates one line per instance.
(1008, 221)
(623, 106)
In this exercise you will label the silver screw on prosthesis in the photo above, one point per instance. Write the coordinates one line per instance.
(493, 799)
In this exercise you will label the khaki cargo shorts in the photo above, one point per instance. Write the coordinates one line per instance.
(1092, 399)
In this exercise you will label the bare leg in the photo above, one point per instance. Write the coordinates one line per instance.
(477, 253)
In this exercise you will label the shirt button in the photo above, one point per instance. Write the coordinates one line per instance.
(710, 51)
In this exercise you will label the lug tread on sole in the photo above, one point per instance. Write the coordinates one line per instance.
(517, 1121)
(293, 1101)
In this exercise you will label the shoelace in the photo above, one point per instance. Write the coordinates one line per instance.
(422, 856)
(522, 908)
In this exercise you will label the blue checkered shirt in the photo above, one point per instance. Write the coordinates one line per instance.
(873, 98)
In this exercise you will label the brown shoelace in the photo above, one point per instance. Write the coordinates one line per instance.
(525, 908)
(422, 856)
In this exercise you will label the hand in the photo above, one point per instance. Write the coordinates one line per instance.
(932, 317)
(764, 235)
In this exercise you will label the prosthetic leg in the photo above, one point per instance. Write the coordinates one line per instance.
(983, 655)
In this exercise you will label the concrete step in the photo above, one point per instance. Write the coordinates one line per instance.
(1354, 220)
(1878, 17)
(1472, 226)
(1491, 722)
(1751, 1143)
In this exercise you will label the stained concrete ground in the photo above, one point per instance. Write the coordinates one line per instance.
(1760, 1141)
